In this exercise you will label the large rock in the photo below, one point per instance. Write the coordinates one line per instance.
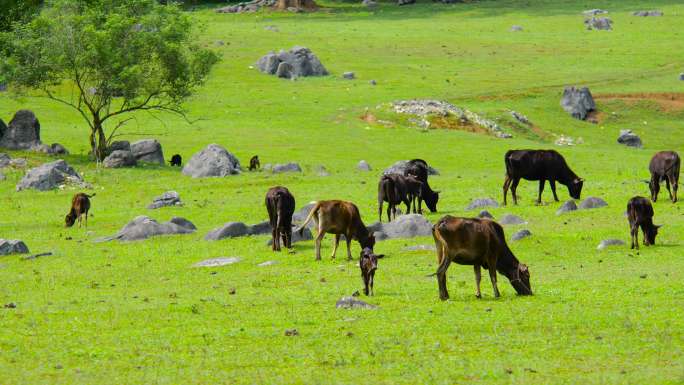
(567, 206)
(300, 215)
(609, 242)
(482, 202)
(592, 203)
(286, 167)
(485, 214)
(58, 149)
(599, 23)
(306, 236)
(148, 151)
(169, 198)
(120, 158)
(49, 176)
(12, 247)
(212, 161)
(143, 227)
(121, 145)
(405, 226)
(238, 229)
(22, 133)
(629, 138)
(577, 102)
(648, 13)
(285, 71)
(399, 167)
(300, 62)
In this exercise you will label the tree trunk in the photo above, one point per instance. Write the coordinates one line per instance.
(299, 4)
(99, 148)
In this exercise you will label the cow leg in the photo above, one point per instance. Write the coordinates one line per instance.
(389, 213)
(441, 278)
(491, 262)
(507, 184)
(319, 238)
(407, 202)
(274, 237)
(514, 188)
(541, 189)
(675, 186)
(553, 189)
(348, 238)
(372, 278)
(667, 185)
(478, 278)
(635, 236)
(336, 242)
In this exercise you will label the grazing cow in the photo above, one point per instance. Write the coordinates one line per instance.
(664, 166)
(339, 218)
(254, 163)
(481, 243)
(176, 160)
(541, 165)
(640, 214)
(80, 205)
(395, 189)
(368, 264)
(419, 169)
(280, 205)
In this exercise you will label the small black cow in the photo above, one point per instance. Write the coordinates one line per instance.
(368, 264)
(254, 163)
(420, 169)
(176, 160)
(395, 189)
(280, 205)
(541, 165)
(640, 214)
(664, 166)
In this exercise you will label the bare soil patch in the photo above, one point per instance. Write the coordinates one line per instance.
(667, 101)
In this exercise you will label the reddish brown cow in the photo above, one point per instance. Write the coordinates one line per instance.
(664, 166)
(481, 243)
(368, 264)
(640, 214)
(339, 218)
(280, 205)
(80, 205)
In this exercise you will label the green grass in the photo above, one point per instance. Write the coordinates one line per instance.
(138, 312)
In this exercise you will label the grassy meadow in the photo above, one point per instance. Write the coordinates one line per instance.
(139, 313)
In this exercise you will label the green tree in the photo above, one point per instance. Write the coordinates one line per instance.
(106, 59)
(17, 11)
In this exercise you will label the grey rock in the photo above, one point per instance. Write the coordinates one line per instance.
(567, 206)
(58, 149)
(4, 160)
(300, 215)
(285, 71)
(399, 167)
(143, 227)
(22, 133)
(320, 170)
(363, 166)
(49, 176)
(681, 76)
(592, 203)
(268, 63)
(267, 263)
(148, 151)
(306, 236)
(521, 234)
(119, 145)
(353, 303)
(219, 43)
(43, 148)
(119, 158)
(213, 161)
(405, 226)
(482, 202)
(648, 13)
(520, 117)
(12, 247)
(18, 163)
(594, 12)
(599, 23)
(215, 262)
(419, 248)
(577, 102)
(169, 198)
(373, 82)
(229, 230)
(510, 219)
(286, 167)
(485, 214)
(629, 138)
(609, 242)
(516, 28)
(260, 228)
(300, 62)
(348, 75)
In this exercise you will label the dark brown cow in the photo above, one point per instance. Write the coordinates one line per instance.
(420, 169)
(280, 205)
(339, 218)
(254, 163)
(640, 214)
(368, 264)
(80, 205)
(395, 189)
(664, 166)
(541, 165)
(481, 243)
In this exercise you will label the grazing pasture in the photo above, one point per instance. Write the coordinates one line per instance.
(139, 312)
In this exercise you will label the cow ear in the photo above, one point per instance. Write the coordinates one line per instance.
(378, 256)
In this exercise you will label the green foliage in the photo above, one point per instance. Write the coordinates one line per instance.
(17, 11)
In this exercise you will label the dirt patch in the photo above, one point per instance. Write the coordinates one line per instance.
(667, 101)
(369, 118)
(451, 123)
(596, 117)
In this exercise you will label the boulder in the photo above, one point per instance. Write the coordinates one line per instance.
(482, 202)
(215, 262)
(592, 203)
(169, 198)
(148, 151)
(120, 145)
(363, 166)
(22, 133)
(516, 28)
(348, 75)
(594, 12)
(49, 176)
(297, 62)
(143, 227)
(521, 234)
(300, 215)
(119, 158)
(599, 23)
(268, 63)
(567, 206)
(58, 149)
(399, 167)
(306, 236)
(485, 214)
(12, 247)
(44, 148)
(577, 102)
(260, 228)
(648, 13)
(404, 226)
(629, 138)
(285, 71)
(609, 242)
(510, 219)
(353, 303)
(212, 161)
(4, 160)
(238, 229)
(286, 167)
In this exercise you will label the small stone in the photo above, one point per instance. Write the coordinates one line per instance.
(516, 28)
(510, 219)
(353, 303)
(291, 332)
(482, 202)
(485, 214)
(363, 166)
(373, 82)
(215, 262)
(592, 203)
(348, 75)
(521, 235)
(609, 242)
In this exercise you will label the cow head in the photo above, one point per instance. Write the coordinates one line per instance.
(575, 188)
(650, 234)
(431, 198)
(369, 260)
(69, 220)
(520, 280)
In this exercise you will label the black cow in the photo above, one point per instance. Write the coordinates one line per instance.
(640, 214)
(254, 163)
(419, 169)
(280, 205)
(395, 189)
(664, 166)
(541, 165)
(368, 264)
(176, 160)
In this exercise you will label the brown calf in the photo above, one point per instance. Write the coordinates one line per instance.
(481, 243)
(664, 166)
(254, 163)
(339, 218)
(280, 205)
(80, 205)
(368, 264)
(640, 214)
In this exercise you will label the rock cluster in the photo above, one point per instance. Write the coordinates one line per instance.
(297, 62)
(49, 176)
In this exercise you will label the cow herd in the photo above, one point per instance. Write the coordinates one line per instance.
(465, 241)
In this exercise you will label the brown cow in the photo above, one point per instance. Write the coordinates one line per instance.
(280, 205)
(368, 264)
(339, 218)
(640, 214)
(80, 205)
(481, 243)
(664, 166)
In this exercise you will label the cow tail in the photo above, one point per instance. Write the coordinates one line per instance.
(313, 212)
